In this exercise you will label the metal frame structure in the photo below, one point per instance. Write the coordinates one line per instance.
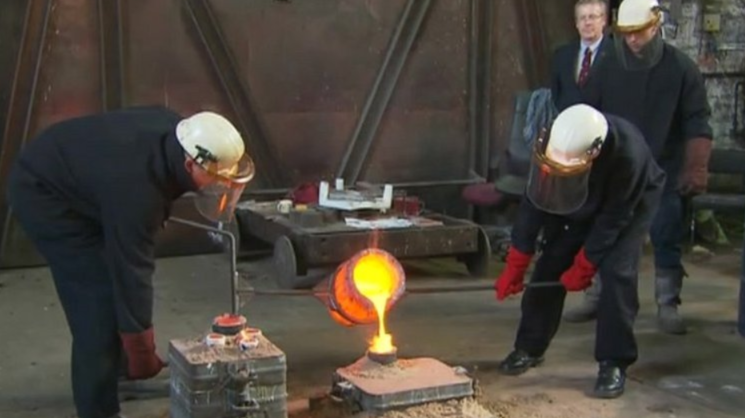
(412, 19)
(207, 30)
(481, 25)
(111, 32)
(396, 55)
(238, 92)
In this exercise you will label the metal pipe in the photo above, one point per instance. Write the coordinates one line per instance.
(235, 292)
(479, 97)
(723, 74)
(402, 185)
(487, 28)
(416, 290)
(473, 82)
(112, 63)
(435, 183)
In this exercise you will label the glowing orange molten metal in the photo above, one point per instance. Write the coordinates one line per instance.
(376, 279)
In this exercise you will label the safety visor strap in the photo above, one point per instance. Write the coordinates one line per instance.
(233, 181)
(557, 169)
(243, 171)
(539, 152)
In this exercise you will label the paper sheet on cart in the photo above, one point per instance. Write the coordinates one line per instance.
(387, 223)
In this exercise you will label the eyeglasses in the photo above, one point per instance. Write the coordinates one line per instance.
(592, 17)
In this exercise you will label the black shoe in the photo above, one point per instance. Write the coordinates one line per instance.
(518, 362)
(611, 380)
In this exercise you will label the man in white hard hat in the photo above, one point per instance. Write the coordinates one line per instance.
(574, 64)
(660, 90)
(592, 191)
(91, 193)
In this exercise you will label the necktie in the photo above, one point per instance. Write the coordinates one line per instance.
(584, 71)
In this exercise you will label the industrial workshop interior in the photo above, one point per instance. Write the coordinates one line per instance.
(372, 208)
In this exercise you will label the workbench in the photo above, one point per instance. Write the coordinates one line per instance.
(318, 237)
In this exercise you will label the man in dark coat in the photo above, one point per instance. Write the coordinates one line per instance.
(659, 89)
(593, 190)
(575, 64)
(91, 193)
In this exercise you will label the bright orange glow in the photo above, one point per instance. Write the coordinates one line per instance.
(223, 202)
(376, 280)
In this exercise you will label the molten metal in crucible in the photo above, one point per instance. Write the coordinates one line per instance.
(377, 276)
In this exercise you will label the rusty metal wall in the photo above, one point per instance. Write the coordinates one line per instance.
(414, 92)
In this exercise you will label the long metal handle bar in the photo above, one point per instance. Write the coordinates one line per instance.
(415, 290)
(235, 294)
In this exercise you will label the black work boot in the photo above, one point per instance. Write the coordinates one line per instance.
(588, 309)
(518, 362)
(668, 284)
(610, 382)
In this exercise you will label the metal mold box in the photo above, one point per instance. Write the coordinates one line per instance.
(378, 388)
(225, 382)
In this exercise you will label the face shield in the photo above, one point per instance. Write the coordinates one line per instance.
(217, 200)
(556, 184)
(648, 56)
(644, 53)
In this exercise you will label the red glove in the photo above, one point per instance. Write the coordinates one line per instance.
(142, 361)
(510, 282)
(694, 176)
(579, 276)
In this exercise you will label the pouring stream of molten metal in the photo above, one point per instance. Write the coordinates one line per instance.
(375, 279)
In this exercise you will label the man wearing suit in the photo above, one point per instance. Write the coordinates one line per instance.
(574, 64)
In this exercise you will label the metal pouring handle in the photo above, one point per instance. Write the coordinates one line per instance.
(235, 296)
(415, 290)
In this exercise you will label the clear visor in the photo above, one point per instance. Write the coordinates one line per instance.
(217, 200)
(556, 188)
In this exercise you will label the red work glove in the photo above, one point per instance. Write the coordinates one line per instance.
(579, 276)
(510, 282)
(694, 177)
(142, 361)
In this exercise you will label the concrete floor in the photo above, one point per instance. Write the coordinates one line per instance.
(700, 374)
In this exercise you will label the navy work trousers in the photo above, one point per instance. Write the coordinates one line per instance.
(619, 301)
(72, 245)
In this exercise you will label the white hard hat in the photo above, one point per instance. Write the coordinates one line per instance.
(213, 142)
(560, 170)
(576, 134)
(634, 15)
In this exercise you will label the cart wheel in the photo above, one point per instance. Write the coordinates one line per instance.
(289, 267)
(477, 263)
(285, 262)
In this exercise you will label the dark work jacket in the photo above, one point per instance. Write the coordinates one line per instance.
(121, 170)
(564, 88)
(667, 102)
(624, 180)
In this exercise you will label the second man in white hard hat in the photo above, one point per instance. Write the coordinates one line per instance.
(592, 191)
